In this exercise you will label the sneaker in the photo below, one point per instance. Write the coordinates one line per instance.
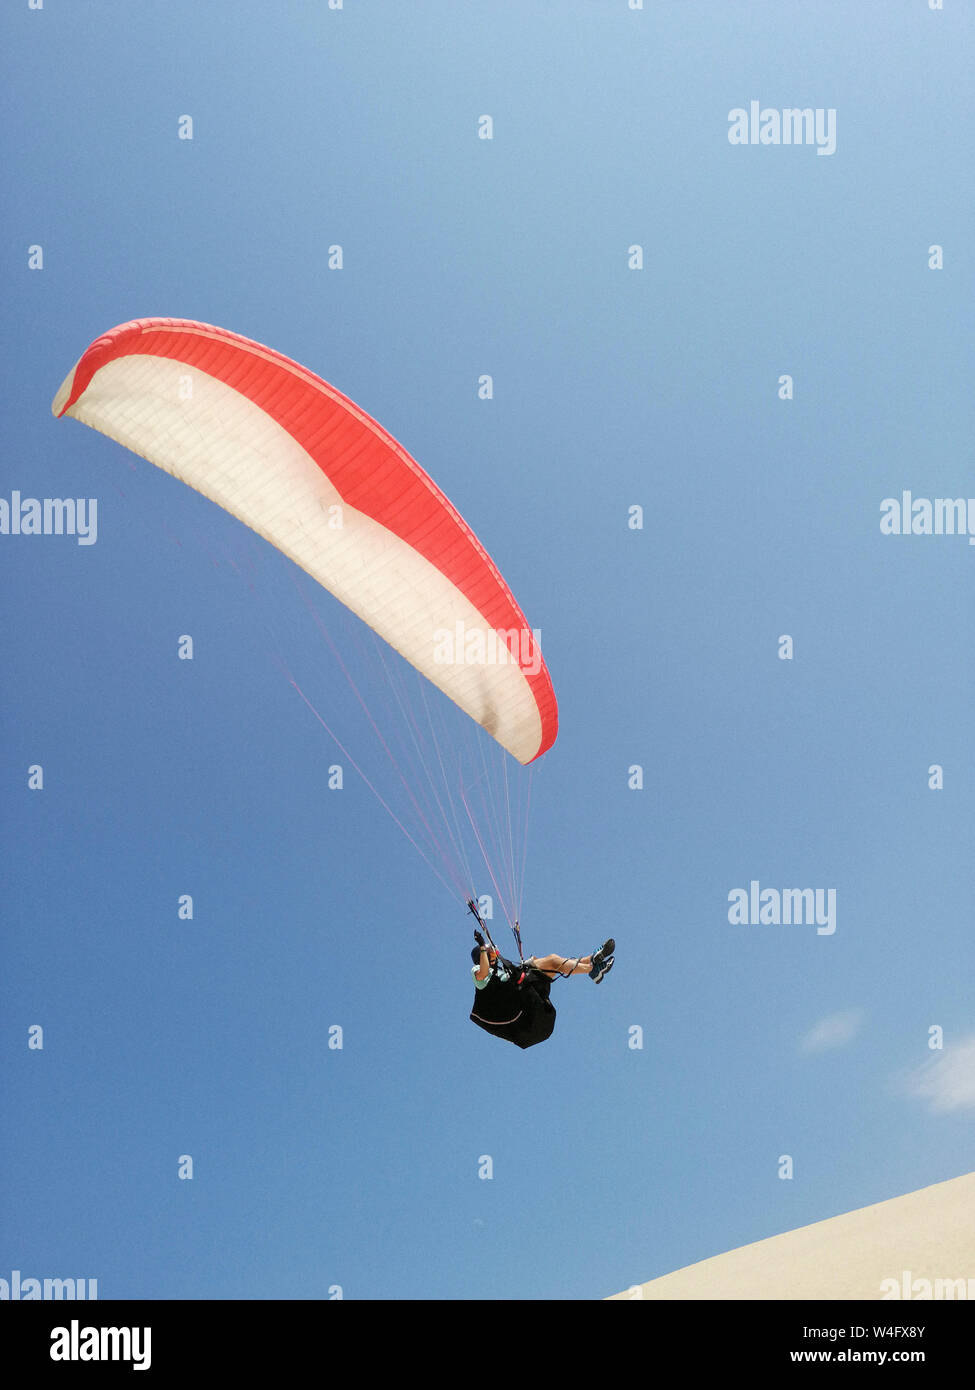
(600, 959)
(605, 950)
(606, 964)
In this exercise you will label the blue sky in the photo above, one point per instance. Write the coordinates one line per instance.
(316, 1168)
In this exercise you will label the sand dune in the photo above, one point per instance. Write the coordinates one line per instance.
(923, 1244)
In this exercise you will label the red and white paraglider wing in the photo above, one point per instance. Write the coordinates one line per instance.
(299, 463)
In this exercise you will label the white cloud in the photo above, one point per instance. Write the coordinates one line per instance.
(947, 1081)
(836, 1030)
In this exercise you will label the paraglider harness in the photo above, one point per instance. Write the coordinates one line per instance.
(536, 1019)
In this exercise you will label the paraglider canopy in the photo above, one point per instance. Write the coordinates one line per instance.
(310, 471)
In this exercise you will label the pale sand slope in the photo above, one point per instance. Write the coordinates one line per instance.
(930, 1233)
